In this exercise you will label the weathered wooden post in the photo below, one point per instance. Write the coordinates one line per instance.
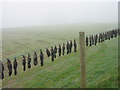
(82, 60)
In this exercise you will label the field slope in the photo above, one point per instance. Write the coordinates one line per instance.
(64, 72)
(102, 72)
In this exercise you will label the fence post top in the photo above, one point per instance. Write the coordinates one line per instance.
(81, 33)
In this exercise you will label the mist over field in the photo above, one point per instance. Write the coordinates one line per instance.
(37, 14)
(29, 27)
(17, 40)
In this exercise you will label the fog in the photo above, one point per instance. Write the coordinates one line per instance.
(36, 14)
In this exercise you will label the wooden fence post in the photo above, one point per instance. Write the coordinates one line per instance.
(82, 60)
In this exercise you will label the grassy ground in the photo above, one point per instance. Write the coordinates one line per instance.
(18, 41)
(102, 59)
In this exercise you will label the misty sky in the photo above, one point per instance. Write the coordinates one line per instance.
(36, 14)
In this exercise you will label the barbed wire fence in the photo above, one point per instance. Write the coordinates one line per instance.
(31, 52)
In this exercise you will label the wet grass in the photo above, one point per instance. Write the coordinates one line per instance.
(64, 72)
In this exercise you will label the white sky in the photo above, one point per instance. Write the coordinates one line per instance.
(22, 14)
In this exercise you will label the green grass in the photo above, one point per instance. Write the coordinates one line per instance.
(17, 41)
(64, 72)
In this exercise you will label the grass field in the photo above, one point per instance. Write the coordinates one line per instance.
(102, 59)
